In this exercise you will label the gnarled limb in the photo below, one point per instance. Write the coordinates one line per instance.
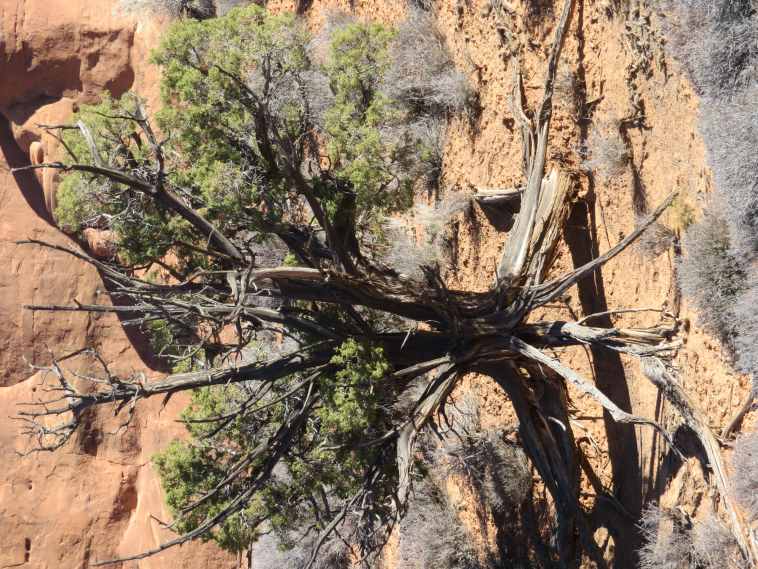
(67, 401)
(439, 390)
(655, 370)
(161, 195)
(498, 196)
(520, 240)
(548, 292)
(618, 414)
(635, 341)
(551, 450)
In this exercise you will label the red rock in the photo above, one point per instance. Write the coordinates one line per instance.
(92, 499)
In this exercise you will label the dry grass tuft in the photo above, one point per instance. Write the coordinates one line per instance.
(607, 154)
(667, 543)
(422, 74)
(655, 240)
(418, 239)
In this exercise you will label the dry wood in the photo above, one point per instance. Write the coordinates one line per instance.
(739, 415)
(697, 421)
(456, 331)
(520, 240)
(618, 414)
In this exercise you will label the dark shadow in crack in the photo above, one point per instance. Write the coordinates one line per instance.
(608, 370)
(610, 377)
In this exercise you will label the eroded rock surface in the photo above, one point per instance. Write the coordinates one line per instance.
(93, 499)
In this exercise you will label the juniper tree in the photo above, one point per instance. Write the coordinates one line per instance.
(259, 146)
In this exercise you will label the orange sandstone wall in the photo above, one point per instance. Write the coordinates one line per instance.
(93, 499)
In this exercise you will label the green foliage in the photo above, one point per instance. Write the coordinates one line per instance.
(144, 230)
(240, 99)
(352, 400)
(190, 469)
(207, 107)
(359, 59)
(247, 124)
(161, 336)
(351, 406)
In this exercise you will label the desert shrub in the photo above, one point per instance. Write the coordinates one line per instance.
(713, 546)
(504, 477)
(606, 153)
(421, 73)
(359, 58)
(674, 541)
(710, 274)
(497, 469)
(319, 45)
(730, 130)
(430, 132)
(431, 535)
(326, 464)
(404, 118)
(668, 543)
(138, 224)
(656, 239)
(744, 478)
(746, 328)
(419, 238)
(374, 146)
(426, 5)
(270, 552)
(566, 88)
(682, 214)
(717, 42)
(223, 6)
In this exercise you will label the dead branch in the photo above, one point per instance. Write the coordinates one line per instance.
(618, 415)
(548, 292)
(739, 415)
(658, 373)
(521, 238)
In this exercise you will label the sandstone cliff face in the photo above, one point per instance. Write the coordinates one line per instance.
(93, 499)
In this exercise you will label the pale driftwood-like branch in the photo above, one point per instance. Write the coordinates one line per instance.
(639, 342)
(552, 212)
(549, 291)
(696, 420)
(496, 197)
(520, 240)
(440, 389)
(90, 140)
(618, 414)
